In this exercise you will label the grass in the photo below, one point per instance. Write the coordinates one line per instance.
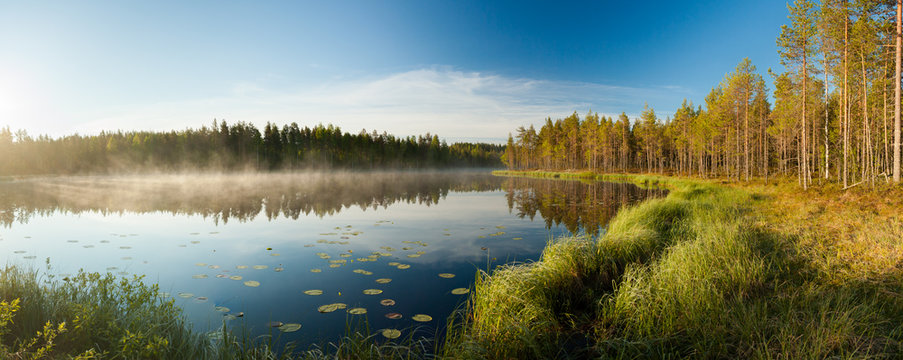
(710, 271)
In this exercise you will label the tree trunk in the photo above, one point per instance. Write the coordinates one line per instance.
(897, 95)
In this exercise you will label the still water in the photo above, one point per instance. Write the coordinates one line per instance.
(283, 249)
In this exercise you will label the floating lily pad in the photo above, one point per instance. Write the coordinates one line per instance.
(393, 316)
(252, 283)
(446, 275)
(235, 277)
(316, 270)
(387, 302)
(221, 276)
(278, 269)
(200, 299)
(214, 267)
(372, 292)
(195, 241)
(199, 276)
(391, 333)
(404, 266)
(413, 255)
(71, 241)
(421, 318)
(19, 252)
(460, 291)
(241, 267)
(393, 263)
(30, 257)
(517, 238)
(87, 246)
(313, 292)
(335, 265)
(383, 281)
(125, 247)
(126, 258)
(331, 307)
(274, 254)
(221, 309)
(363, 272)
(229, 317)
(200, 264)
(260, 267)
(275, 324)
(186, 295)
(357, 311)
(308, 245)
(289, 327)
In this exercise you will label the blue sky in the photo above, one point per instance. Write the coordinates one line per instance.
(462, 69)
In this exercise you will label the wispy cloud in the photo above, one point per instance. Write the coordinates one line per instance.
(454, 104)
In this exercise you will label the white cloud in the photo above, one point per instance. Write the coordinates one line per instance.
(454, 104)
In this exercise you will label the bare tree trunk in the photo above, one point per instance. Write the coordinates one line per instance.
(804, 171)
(846, 104)
(827, 161)
(897, 94)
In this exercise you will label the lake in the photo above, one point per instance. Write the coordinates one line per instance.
(322, 250)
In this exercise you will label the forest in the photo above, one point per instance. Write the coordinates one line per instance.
(835, 116)
(236, 146)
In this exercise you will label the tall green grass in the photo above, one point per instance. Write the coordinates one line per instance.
(691, 275)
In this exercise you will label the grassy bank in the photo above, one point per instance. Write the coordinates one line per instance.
(709, 271)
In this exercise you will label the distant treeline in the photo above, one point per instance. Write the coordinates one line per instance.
(236, 146)
(835, 116)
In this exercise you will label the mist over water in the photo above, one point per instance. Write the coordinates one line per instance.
(205, 237)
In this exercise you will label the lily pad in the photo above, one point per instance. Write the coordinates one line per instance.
(372, 292)
(200, 264)
(391, 333)
(30, 257)
(214, 267)
(383, 281)
(289, 327)
(260, 267)
(316, 270)
(460, 291)
(200, 299)
(199, 276)
(241, 267)
(186, 295)
(517, 238)
(313, 292)
(221, 309)
(236, 277)
(87, 246)
(413, 255)
(357, 311)
(278, 269)
(404, 266)
(390, 263)
(446, 275)
(422, 318)
(275, 324)
(393, 316)
(252, 283)
(335, 265)
(362, 272)
(387, 302)
(19, 252)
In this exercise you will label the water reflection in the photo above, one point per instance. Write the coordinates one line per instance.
(578, 205)
(233, 197)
